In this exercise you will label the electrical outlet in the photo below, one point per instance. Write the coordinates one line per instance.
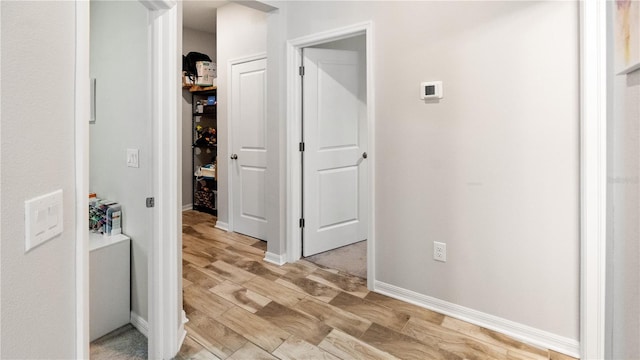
(439, 251)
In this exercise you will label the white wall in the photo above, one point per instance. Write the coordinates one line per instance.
(493, 169)
(241, 32)
(37, 145)
(119, 62)
(623, 212)
(202, 42)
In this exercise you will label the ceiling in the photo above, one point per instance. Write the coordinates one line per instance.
(201, 14)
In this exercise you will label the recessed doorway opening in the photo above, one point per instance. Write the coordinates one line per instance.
(332, 121)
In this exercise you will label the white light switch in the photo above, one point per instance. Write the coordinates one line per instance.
(43, 219)
(132, 158)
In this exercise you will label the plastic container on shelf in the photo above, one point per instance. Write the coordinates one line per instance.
(113, 225)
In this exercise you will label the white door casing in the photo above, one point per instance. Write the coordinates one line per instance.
(248, 163)
(335, 142)
(593, 177)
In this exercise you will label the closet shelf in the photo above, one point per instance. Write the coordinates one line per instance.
(204, 123)
(210, 146)
(196, 88)
(205, 113)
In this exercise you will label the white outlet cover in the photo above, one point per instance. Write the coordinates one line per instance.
(43, 219)
(439, 251)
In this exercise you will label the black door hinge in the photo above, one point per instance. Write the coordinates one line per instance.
(301, 223)
(301, 146)
(301, 70)
(151, 202)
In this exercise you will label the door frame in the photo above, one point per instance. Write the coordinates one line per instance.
(294, 118)
(165, 318)
(230, 64)
(593, 177)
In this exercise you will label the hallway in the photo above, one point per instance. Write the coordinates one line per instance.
(240, 307)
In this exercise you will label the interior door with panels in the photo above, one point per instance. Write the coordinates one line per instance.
(248, 124)
(335, 144)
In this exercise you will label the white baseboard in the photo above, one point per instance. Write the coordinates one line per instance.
(275, 258)
(184, 317)
(181, 330)
(187, 207)
(139, 323)
(517, 331)
(222, 225)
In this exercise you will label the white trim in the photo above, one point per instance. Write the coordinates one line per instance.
(230, 64)
(184, 317)
(371, 130)
(246, 59)
(293, 193)
(1, 191)
(165, 284)
(521, 332)
(158, 4)
(275, 258)
(593, 160)
(187, 207)
(82, 105)
(139, 323)
(629, 70)
(222, 226)
(261, 5)
(182, 331)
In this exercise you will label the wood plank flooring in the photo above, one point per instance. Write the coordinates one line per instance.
(240, 307)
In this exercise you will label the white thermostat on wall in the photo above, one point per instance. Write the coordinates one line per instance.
(431, 90)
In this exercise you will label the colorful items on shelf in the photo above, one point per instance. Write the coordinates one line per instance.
(206, 136)
(105, 216)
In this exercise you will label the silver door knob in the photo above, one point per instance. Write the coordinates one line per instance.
(234, 157)
(364, 155)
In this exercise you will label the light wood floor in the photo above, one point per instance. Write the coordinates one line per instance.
(240, 307)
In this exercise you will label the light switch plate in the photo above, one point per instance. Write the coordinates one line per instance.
(43, 219)
(133, 158)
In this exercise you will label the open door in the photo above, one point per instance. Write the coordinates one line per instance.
(335, 145)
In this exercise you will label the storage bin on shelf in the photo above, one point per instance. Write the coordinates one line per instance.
(105, 216)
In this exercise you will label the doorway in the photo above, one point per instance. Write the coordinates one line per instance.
(120, 174)
(248, 147)
(165, 328)
(334, 133)
(355, 218)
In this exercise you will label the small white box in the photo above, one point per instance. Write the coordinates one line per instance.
(187, 80)
(209, 172)
(431, 90)
(206, 73)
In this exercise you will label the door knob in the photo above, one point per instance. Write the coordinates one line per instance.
(364, 155)
(234, 157)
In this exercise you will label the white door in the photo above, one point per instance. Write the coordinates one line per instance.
(249, 147)
(334, 159)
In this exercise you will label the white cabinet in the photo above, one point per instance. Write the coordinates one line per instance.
(110, 277)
